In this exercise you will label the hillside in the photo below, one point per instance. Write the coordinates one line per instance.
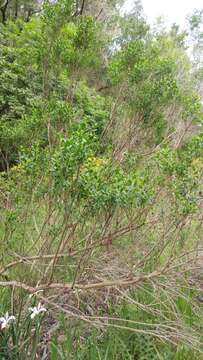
(101, 191)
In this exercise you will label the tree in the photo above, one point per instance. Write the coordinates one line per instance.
(196, 36)
(13, 9)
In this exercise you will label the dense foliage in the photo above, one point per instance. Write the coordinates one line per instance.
(101, 159)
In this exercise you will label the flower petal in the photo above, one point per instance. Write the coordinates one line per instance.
(42, 309)
(11, 318)
(33, 315)
(32, 309)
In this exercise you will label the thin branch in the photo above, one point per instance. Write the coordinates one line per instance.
(98, 15)
(82, 7)
(3, 9)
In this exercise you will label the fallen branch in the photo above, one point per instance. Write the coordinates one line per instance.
(106, 283)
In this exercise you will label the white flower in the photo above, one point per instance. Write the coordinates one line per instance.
(36, 310)
(5, 320)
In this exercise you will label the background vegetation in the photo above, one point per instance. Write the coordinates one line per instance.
(101, 159)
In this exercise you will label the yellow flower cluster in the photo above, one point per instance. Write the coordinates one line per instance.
(96, 162)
